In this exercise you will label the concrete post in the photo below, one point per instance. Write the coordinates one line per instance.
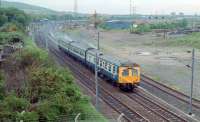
(120, 117)
(77, 116)
(192, 80)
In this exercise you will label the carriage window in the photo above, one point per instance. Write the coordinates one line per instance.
(105, 65)
(83, 54)
(114, 69)
(89, 58)
(125, 72)
(109, 68)
(100, 63)
(134, 72)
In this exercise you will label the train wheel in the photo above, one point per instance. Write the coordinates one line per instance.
(115, 84)
(121, 87)
(126, 87)
(130, 87)
(101, 75)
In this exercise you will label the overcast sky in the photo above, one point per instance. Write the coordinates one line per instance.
(121, 6)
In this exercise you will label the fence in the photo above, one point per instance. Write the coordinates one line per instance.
(75, 118)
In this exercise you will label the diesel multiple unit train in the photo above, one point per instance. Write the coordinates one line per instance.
(125, 75)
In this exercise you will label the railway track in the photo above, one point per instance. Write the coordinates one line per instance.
(121, 107)
(142, 98)
(151, 107)
(169, 91)
(172, 92)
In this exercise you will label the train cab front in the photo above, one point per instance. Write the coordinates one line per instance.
(129, 76)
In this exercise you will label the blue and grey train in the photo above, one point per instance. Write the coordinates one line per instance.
(125, 75)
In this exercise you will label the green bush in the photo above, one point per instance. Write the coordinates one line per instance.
(7, 37)
(3, 19)
(45, 82)
(28, 116)
(33, 56)
(170, 25)
(191, 40)
(15, 104)
(11, 105)
(53, 90)
(143, 28)
(161, 25)
(1, 86)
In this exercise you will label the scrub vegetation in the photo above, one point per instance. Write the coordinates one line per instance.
(161, 25)
(32, 86)
(191, 40)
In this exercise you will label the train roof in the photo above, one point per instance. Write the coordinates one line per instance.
(104, 56)
(77, 43)
(80, 45)
(127, 64)
(118, 62)
(63, 37)
(111, 59)
(93, 51)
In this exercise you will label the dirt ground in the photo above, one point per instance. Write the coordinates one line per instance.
(166, 64)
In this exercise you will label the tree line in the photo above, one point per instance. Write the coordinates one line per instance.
(14, 16)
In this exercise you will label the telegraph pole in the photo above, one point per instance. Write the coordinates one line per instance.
(46, 43)
(96, 63)
(75, 7)
(134, 8)
(96, 74)
(98, 41)
(192, 80)
(130, 7)
(96, 82)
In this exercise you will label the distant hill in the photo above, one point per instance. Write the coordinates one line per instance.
(28, 8)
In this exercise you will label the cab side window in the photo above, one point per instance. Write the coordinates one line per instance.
(125, 73)
(134, 72)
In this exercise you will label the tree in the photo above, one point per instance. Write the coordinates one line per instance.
(13, 15)
(3, 19)
(1, 86)
(143, 28)
(21, 19)
(183, 23)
